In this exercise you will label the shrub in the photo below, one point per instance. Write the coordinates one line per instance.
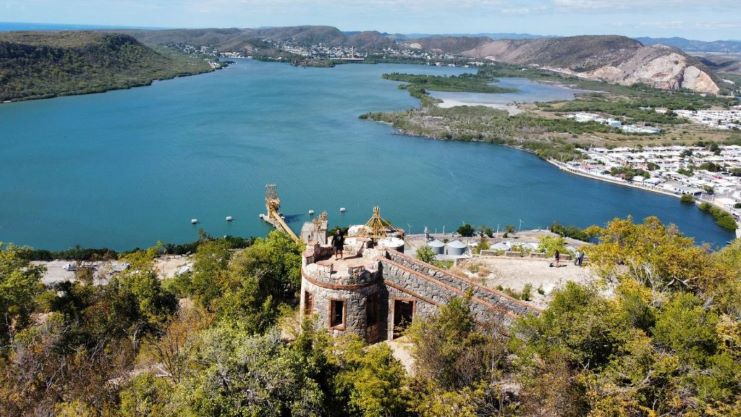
(426, 254)
(687, 199)
(465, 230)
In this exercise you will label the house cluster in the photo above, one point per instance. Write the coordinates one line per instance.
(717, 119)
(613, 123)
(320, 51)
(711, 174)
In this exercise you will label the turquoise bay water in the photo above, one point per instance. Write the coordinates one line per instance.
(527, 92)
(127, 168)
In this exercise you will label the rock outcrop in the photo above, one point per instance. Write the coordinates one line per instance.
(613, 59)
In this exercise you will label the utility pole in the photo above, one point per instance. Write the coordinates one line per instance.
(519, 229)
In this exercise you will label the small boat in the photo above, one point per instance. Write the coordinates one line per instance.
(229, 218)
(311, 212)
(193, 221)
(342, 209)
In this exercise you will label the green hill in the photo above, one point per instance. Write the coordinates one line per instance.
(48, 64)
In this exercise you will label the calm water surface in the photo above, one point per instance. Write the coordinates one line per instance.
(527, 92)
(127, 168)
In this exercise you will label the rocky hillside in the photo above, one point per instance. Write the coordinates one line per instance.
(447, 44)
(48, 64)
(250, 39)
(614, 59)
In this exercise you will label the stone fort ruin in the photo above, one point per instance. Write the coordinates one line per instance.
(377, 290)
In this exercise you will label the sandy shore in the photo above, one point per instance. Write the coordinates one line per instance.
(448, 103)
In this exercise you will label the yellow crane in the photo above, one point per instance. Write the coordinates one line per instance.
(272, 206)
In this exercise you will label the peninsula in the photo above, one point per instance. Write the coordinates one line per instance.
(37, 65)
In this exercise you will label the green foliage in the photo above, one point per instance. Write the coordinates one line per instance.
(209, 279)
(585, 235)
(487, 231)
(449, 350)
(664, 342)
(369, 378)
(464, 82)
(141, 281)
(100, 254)
(627, 355)
(722, 218)
(688, 329)
(260, 279)
(20, 284)
(49, 64)
(585, 343)
(687, 172)
(551, 244)
(484, 124)
(657, 256)
(466, 230)
(711, 166)
(627, 173)
(527, 292)
(426, 254)
(687, 199)
(145, 395)
(244, 375)
(482, 245)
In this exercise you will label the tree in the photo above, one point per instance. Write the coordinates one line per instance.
(237, 374)
(657, 256)
(465, 230)
(551, 244)
(487, 231)
(141, 280)
(584, 327)
(209, 279)
(20, 284)
(426, 254)
(171, 349)
(146, 395)
(261, 278)
(688, 329)
(450, 351)
(368, 379)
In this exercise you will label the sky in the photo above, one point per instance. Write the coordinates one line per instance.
(693, 19)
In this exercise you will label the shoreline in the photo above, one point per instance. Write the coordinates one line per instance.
(563, 167)
(108, 89)
(446, 103)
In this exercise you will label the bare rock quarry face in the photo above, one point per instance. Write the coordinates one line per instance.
(612, 59)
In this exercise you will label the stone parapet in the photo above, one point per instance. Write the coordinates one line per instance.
(493, 297)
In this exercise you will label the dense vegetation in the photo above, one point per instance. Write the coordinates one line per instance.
(494, 126)
(723, 218)
(574, 232)
(78, 253)
(479, 83)
(40, 65)
(665, 342)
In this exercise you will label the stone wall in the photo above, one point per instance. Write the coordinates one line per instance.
(355, 304)
(400, 277)
(495, 298)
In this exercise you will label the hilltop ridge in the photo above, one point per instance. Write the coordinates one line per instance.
(48, 64)
(610, 58)
(614, 59)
